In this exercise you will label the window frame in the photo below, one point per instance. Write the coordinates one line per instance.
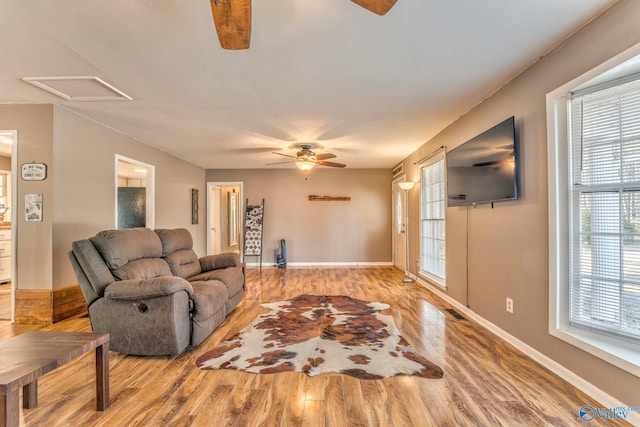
(431, 276)
(601, 191)
(614, 349)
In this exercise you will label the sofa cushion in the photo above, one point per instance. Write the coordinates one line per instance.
(183, 263)
(209, 311)
(146, 268)
(232, 278)
(209, 297)
(133, 290)
(118, 247)
(174, 240)
(223, 260)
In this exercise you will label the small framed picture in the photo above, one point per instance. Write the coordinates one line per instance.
(33, 207)
(34, 171)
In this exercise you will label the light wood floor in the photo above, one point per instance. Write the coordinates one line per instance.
(486, 382)
(5, 301)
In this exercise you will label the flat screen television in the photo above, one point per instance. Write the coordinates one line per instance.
(485, 168)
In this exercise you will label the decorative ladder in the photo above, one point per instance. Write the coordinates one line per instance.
(253, 224)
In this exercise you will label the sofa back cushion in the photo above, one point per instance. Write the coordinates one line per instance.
(93, 268)
(173, 240)
(134, 253)
(177, 250)
(145, 268)
(183, 263)
(118, 247)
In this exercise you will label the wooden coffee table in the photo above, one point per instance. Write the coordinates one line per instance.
(23, 359)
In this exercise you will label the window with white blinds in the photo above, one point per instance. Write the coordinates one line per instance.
(605, 210)
(432, 218)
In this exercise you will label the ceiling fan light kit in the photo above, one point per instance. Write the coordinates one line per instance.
(232, 19)
(305, 159)
(305, 164)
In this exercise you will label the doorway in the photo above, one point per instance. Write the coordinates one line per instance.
(399, 226)
(135, 193)
(8, 144)
(224, 217)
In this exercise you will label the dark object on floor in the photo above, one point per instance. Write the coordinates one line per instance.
(281, 256)
(455, 314)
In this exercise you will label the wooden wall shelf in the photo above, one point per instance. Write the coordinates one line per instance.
(329, 199)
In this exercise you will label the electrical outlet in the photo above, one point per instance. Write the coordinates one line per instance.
(510, 305)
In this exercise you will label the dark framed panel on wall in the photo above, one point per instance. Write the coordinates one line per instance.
(194, 206)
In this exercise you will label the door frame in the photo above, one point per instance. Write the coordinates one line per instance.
(241, 202)
(13, 214)
(14, 224)
(213, 219)
(150, 217)
(404, 206)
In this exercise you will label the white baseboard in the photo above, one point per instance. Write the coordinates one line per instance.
(323, 264)
(569, 376)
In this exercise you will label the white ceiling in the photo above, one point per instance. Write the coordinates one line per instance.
(371, 89)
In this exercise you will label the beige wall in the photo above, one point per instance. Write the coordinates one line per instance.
(357, 231)
(84, 186)
(79, 194)
(508, 246)
(34, 124)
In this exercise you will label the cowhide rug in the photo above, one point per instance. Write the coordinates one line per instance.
(318, 334)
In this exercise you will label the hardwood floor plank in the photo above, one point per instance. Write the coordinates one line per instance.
(356, 413)
(295, 400)
(335, 411)
(314, 414)
(486, 380)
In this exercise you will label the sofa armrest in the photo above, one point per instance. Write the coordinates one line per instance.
(136, 289)
(223, 260)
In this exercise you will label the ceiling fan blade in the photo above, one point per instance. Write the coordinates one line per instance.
(233, 23)
(332, 164)
(253, 150)
(280, 163)
(325, 156)
(286, 155)
(379, 7)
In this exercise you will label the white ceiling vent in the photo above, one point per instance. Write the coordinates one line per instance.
(79, 88)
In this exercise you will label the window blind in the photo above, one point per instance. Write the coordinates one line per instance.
(432, 216)
(605, 210)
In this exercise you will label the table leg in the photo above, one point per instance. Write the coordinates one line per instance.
(30, 395)
(102, 376)
(10, 409)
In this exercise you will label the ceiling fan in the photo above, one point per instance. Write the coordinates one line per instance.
(233, 19)
(305, 159)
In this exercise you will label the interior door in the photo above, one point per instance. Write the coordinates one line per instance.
(399, 227)
(215, 235)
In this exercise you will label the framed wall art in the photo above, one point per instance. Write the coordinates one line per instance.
(33, 207)
(34, 171)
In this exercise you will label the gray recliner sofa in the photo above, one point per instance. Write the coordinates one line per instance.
(150, 291)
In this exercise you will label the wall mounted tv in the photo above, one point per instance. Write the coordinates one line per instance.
(484, 169)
